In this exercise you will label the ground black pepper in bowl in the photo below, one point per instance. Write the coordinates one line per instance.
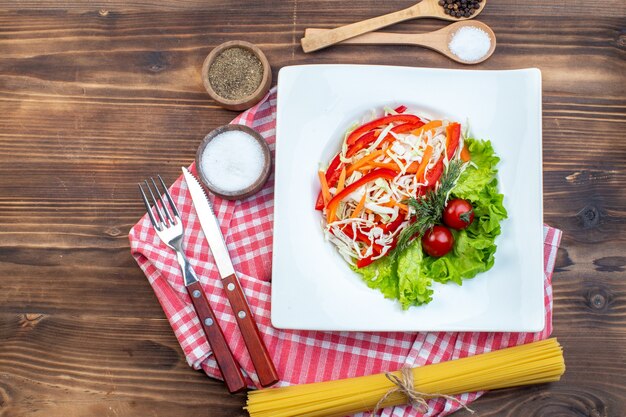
(235, 73)
(460, 8)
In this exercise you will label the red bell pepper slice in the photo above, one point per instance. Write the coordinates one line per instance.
(393, 226)
(362, 237)
(434, 174)
(396, 118)
(334, 178)
(361, 263)
(407, 127)
(319, 203)
(388, 228)
(453, 133)
(372, 135)
(332, 175)
(367, 260)
(371, 176)
(363, 141)
(348, 231)
(333, 166)
(400, 109)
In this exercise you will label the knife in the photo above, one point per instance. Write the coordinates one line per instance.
(261, 358)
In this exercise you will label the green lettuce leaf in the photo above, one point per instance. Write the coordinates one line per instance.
(474, 248)
(480, 173)
(413, 284)
(381, 275)
(400, 278)
(408, 276)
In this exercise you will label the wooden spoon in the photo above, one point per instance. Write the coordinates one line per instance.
(438, 40)
(425, 8)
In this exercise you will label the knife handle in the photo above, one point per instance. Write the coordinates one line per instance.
(251, 336)
(221, 352)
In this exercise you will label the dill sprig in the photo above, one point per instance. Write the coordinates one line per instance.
(428, 209)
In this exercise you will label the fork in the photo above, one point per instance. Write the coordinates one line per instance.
(169, 228)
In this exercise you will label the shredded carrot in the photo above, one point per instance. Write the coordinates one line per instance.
(389, 165)
(428, 152)
(363, 161)
(388, 139)
(393, 203)
(433, 124)
(400, 205)
(332, 213)
(357, 210)
(324, 184)
(465, 154)
(412, 169)
(342, 180)
(366, 168)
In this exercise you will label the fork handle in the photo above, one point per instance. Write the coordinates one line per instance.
(221, 352)
(231, 372)
(259, 354)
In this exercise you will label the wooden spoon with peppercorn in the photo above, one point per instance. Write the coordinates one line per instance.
(453, 10)
(440, 40)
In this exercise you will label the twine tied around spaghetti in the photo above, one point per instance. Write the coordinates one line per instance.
(416, 399)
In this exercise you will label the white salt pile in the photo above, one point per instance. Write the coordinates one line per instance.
(232, 161)
(470, 43)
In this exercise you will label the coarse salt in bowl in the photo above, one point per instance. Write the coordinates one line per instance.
(470, 43)
(233, 161)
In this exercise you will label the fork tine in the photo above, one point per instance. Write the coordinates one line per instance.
(169, 197)
(156, 204)
(167, 212)
(148, 208)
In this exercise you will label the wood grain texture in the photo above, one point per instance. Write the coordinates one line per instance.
(95, 97)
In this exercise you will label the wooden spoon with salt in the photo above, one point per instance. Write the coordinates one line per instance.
(438, 40)
(425, 8)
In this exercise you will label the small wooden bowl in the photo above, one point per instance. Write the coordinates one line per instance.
(256, 95)
(246, 192)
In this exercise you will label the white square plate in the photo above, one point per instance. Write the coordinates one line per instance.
(312, 286)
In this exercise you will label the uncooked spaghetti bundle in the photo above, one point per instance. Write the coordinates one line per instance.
(533, 363)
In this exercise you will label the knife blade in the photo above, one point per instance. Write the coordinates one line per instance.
(210, 226)
(259, 354)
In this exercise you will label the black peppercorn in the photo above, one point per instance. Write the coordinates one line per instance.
(460, 8)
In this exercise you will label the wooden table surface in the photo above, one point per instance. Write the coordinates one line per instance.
(95, 97)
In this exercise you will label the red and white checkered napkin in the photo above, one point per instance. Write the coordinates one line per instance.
(299, 356)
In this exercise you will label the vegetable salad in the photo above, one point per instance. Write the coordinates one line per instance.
(388, 187)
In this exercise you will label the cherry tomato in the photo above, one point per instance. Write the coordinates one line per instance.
(437, 241)
(458, 214)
